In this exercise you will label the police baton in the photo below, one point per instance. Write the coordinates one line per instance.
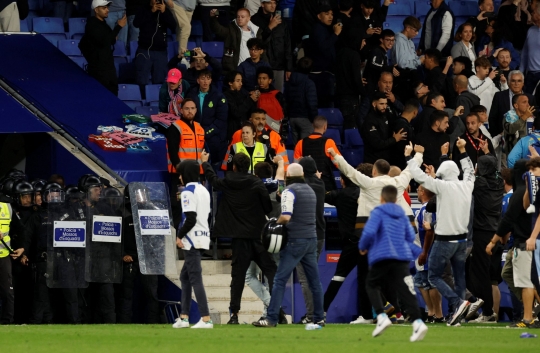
(7, 247)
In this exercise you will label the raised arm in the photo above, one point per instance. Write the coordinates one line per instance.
(354, 175)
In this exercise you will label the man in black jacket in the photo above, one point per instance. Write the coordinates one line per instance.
(434, 137)
(403, 123)
(151, 57)
(464, 98)
(241, 215)
(377, 61)
(475, 139)
(322, 40)
(277, 38)
(369, 21)
(97, 46)
(310, 177)
(375, 131)
(240, 102)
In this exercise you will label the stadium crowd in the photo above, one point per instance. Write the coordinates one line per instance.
(464, 96)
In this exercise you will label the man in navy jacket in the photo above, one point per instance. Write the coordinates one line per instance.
(438, 28)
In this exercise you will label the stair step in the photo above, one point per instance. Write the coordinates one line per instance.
(219, 280)
(246, 318)
(247, 306)
(210, 266)
(224, 293)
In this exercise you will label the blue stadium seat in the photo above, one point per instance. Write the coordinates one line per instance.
(34, 5)
(335, 135)
(353, 138)
(395, 23)
(496, 4)
(196, 34)
(464, 8)
(147, 111)
(460, 20)
(76, 26)
(334, 117)
(133, 45)
(421, 8)
(403, 8)
(353, 156)
(79, 60)
(54, 37)
(133, 104)
(48, 25)
(24, 26)
(129, 92)
(69, 47)
(127, 72)
(172, 49)
(152, 93)
(120, 49)
(214, 49)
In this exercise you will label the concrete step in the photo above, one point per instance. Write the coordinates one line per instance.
(245, 318)
(220, 280)
(224, 293)
(211, 267)
(247, 306)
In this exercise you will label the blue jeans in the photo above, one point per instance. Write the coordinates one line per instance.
(441, 253)
(260, 289)
(111, 20)
(302, 251)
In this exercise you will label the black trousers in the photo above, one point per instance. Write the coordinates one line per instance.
(6, 291)
(149, 284)
(394, 277)
(479, 278)
(175, 204)
(348, 260)
(107, 78)
(350, 108)
(23, 287)
(98, 306)
(243, 252)
(42, 312)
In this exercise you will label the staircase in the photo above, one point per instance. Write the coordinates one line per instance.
(217, 282)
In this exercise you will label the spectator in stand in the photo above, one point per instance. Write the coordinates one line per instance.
(421, 92)
(117, 11)
(316, 145)
(385, 85)
(301, 98)
(172, 93)
(377, 61)
(249, 67)
(454, 199)
(530, 56)
(438, 28)
(200, 61)
(434, 101)
(502, 101)
(515, 123)
(305, 17)
(270, 99)
(277, 39)
(462, 66)
(403, 123)
(433, 138)
(322, 40)
(404, 52)
(345, 17)
(240, 102)
(349, 85)
(515, 15)
(212, 111)
(9, 16)
(464, 98)
(96, 45)
(375, 131)
(436, 76)
(236, 35)
(504, 58)
(482, 84)
(132, 8)
(475, 142)
(370, 21)
(522, 149)
(183, 12)
(205, 7)
(464, 38)
(496, 37)
(62, 9)
(151, 57)
(481, 21)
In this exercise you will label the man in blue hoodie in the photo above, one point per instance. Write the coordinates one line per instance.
(388, 239)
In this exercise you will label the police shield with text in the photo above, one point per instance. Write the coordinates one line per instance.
(154, 233)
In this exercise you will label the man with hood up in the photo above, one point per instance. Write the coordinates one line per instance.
(488, 193)
(311, 179)
(193, 237)
(241, 216)
(454, 199)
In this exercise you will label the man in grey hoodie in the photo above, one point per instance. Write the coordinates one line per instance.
(454, 198)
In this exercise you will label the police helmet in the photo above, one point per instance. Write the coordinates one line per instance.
(73, 192)
(88, 181)
(274, 236)
(16, 174)
(23, 187)
(7, 186)
(53, 193)
(111, 192)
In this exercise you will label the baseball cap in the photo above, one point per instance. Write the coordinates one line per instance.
(98, 3)
(174, 76)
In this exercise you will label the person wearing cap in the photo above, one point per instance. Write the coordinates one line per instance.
(322, 40)
(97, 43)
(172, 92)
(151, 57)
(299, 217)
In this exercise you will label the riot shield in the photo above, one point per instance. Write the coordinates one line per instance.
(154, 233)
(66, 248)
(104, 241)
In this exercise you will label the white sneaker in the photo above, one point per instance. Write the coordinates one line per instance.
(202, 324)
(181, 323)
(460, 310)
(492, 319)
(419, 330)
(383, 322)
(473, 308)
(361, 320)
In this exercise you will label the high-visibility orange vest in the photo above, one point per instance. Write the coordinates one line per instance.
(270, 104)
(191, 143)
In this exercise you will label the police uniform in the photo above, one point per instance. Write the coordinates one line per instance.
(257, 153)
(271, 139)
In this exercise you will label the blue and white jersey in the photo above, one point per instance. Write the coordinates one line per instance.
(419, 218)
(196, 198)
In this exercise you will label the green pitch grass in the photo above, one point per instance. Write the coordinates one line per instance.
(247, 339)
